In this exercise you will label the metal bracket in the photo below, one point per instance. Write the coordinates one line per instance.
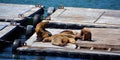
(60, 7)
(40, 6)
(20, 15)
(13, 23)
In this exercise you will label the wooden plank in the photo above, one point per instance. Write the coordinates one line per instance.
(87, 17)
(110, 17)
(31, 40)
(6, 30)
(2, 26)
(103, 38)
(4, 23)
(80, 15)
(12, 11)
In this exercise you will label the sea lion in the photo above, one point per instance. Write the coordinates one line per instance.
(41, 31)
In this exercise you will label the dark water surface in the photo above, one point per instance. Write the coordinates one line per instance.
(7, 55)
(99, 4)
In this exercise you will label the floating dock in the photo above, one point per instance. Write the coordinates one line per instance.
(100, 46)
(104, 25)
(18, 13)
(87, 17)
(6, 32)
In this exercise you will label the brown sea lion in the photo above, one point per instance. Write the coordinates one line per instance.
(41, 31)
(86, 34)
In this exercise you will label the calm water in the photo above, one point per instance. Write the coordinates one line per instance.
(99, 4)
(7, 55)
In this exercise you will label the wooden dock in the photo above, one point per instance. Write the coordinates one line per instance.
(18, 12)
(7, 33)
(87, 17)
(101, 43)
(104, 25)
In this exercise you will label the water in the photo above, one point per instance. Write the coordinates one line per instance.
(99, 4)
(7, 55)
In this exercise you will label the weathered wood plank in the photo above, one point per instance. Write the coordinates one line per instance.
(6, 30)
(103, 38)
(2, 26)
(76, 15)
(110, 17)
(12, 11)
(85, 16)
